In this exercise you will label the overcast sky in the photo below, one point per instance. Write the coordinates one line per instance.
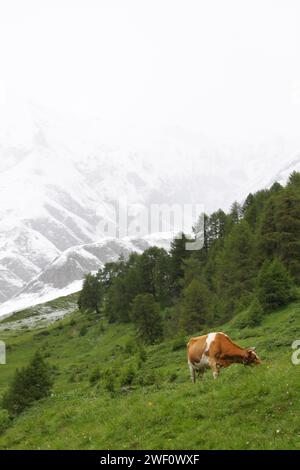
(229, 69)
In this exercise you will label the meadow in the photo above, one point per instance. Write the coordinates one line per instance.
(111, 393)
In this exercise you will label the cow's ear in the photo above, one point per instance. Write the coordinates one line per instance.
(253, 348)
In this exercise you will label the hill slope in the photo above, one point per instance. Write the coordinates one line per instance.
(94, 406)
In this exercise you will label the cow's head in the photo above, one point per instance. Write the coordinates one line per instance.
(251, 358)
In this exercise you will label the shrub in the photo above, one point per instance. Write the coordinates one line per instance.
(127, 376)
(252, 316)
(254, 313)
(173, 377)
(130, 346)
(5, 421)
(240, 320)
(142, 355)
(83, 330)
(109, 384)
(43, 333)
(73, 377)
(101, 327)
(95, 376)
(142, 358)
(149, 377)
(178, 343)
(29, 384)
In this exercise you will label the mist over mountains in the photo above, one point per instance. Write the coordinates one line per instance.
(60, 178)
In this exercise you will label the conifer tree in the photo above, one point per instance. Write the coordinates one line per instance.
(146, 317)
(236, 212)
(288, 229)
(91, 294)
(195, 306)
(294, 180)
(29, 384)
(274, 285)
(178, 255)
(235, 267)
(254, 313)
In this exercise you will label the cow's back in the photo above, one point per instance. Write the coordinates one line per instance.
(212, 345)
(195, 348)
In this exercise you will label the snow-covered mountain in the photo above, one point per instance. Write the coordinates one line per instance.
(61, 179)
(66, 271)
(53, 197)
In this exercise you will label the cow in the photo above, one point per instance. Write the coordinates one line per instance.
(216, 350)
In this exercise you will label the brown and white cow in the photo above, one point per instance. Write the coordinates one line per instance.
(216, 350)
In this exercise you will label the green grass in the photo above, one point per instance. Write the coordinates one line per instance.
(246, 408)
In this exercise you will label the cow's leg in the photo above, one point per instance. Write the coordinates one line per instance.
(201, 373)
(215, 368)
(192, 371)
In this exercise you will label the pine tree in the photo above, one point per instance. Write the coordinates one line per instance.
(162, 279)
(235, 268)
(155, 273)
(275, 188)
(216, 226)
(192, 270)
(116, 304)
(146, 317)
(294, 180)
(91, 295)
(280, 228)
(251, 316)
(119, 296)
(195, 306)
(269, 236)
(220, 225)
(274, 285)
(254, 313)
(29, 384)
(253, 207)
(288, 228)
(236, 212)
(178, 254)
(201, 230)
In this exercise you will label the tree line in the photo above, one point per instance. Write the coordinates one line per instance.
(249, 262)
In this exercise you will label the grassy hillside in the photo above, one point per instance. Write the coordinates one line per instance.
(110, 394)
